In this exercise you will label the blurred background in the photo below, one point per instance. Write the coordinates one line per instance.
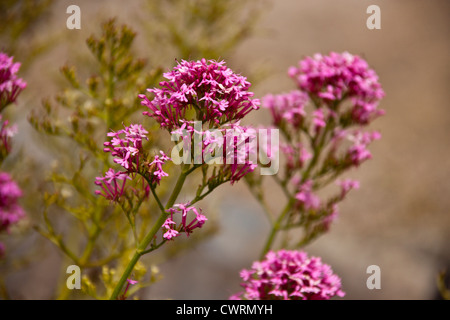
(398, 219)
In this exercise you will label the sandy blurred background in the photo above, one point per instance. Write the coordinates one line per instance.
(398, 219)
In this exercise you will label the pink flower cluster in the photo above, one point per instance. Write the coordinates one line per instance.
(242, 154)
(289, 275)
(296, 156)
(305, 197)
(156, 167)
(325, 83)
(358, 152)
(170, 227)
(288, 107)
(10, 210)
(232, 145)
(10, 84)
(337, 76)
(210, 88)
(325, 212)
(347, 185)
(112, 184)
(126, 148)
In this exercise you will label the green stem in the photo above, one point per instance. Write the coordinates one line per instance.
(276, 227)
(317, 151)
(141, 249)
(89, 247)
(137, 255)
(176, 191)
(153, 192)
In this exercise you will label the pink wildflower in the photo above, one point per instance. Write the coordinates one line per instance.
(156, 167)
(347, 185)
(126, 150)
(10, 211)
(235, 142)
(318, 120)
(358, 152)
(10, 84)
(289, 107)
(170, 226)
(112, 184)
(306, 198)
(214, 91)
(289, 275)
(341, 75)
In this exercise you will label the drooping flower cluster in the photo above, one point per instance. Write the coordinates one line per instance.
(170, 227)
(10, 210)
(337, 76)
(209, 88)
(10, 84)
(289, 275)
(112, 184)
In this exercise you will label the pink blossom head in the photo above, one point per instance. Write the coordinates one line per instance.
(10, 84)
(334, 77)
(347, 185)
(187, 223)
(287, 107)
(232, 146)
(126, 146)
(156, 169)
(289, 275)
(10, 210)
(207, 88)
(306, 199)
(358, 152)
(112, 184)
(240, 159)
